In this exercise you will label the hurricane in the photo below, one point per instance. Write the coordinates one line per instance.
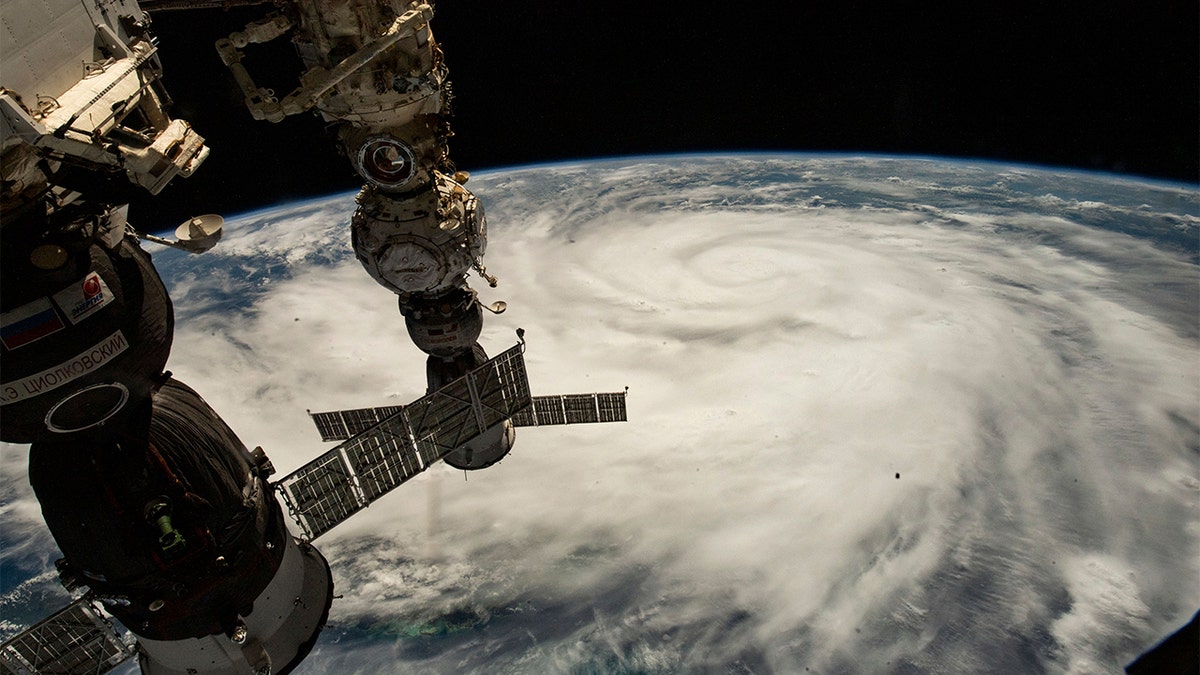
(885, 415)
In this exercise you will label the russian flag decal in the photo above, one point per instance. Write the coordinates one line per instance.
(29, 323)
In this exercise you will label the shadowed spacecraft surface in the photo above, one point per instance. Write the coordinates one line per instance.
(173, 526)
(162, 514)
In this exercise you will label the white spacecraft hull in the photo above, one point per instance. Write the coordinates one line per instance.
(288, 615)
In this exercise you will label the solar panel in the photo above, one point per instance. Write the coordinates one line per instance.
(580, 409)
(444, 413)
(572, 409)
(322, 493)
(76, 639)
(501, 391)
(402, 442)
(544, 411)
(342, 424)
(611, 406)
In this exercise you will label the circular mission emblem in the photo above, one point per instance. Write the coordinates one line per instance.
(91, 286)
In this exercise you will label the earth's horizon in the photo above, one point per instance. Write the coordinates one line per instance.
(164, 229)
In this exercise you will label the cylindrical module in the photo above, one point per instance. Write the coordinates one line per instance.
(287, 618)
(177, 532)
(422, 243)
(485, 450)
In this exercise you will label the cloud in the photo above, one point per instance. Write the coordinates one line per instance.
(870, 435)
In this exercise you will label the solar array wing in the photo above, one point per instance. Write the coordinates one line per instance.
(322, 493)
(338, 425)
(75, 639)
(342, 424)
(402, 443)
(572, 409)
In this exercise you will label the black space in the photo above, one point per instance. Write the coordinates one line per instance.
(1105, 85)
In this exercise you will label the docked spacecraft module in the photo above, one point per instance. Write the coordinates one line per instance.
(158, 508)
(162, 514)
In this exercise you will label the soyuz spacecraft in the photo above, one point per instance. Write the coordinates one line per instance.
(162, 514)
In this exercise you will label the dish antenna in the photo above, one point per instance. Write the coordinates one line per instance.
(195, 235)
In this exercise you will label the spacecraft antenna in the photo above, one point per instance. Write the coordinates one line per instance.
(200, 233)
(196, 235)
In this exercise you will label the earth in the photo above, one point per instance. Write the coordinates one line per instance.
(886, 415)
